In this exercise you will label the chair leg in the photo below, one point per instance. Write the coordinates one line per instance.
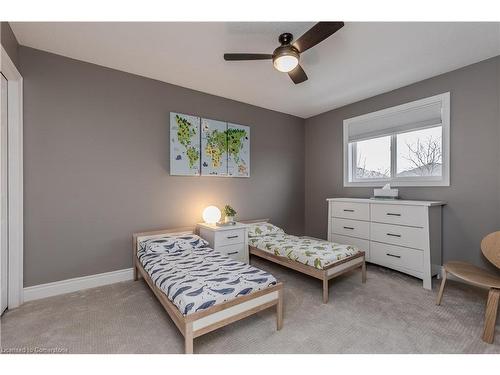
(491, 315)
(441, 289)
(325, 289)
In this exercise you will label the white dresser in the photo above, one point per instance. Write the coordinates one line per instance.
(401, 234)
(229, 240)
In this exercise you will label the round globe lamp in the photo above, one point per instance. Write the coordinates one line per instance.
(211, 215)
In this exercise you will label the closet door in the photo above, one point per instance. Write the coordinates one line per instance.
(3, 196)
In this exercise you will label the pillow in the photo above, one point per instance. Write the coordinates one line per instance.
(173, 243)
(263, 229)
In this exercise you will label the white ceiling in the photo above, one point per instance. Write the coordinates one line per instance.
(359, 61)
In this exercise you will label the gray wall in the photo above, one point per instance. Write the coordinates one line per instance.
(473, 197)
(96, 157)
(97, 161)
(9, 42)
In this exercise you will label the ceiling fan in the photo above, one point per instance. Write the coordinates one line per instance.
(286, 57)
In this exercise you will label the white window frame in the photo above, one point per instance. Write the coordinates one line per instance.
(444, 180)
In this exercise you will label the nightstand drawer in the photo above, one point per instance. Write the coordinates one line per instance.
(237, 251)
(229, 237)
(231, 242)
(353, 228)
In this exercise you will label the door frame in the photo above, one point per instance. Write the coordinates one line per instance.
(15, 176)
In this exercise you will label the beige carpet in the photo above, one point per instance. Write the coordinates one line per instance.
(391, 313)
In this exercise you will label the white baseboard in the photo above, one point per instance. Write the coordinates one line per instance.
(78, 283)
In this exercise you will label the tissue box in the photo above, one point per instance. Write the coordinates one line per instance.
(386, 193)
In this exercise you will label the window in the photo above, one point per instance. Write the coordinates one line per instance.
(373, 158)
(407, 145)
(419, 153)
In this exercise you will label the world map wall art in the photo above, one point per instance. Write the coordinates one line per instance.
(207, 147)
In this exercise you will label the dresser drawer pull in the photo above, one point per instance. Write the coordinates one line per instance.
(230, 237)
(346, 210)
(350, 228)
(393, 235)
(392, 255)
(234, 252)
(392, 214)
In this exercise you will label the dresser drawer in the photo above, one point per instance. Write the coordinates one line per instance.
(229, 237)
(347, 210)
(353, 228)
(357, 242)
(399, 214)
(396, 256)
(398, 235)
(237, 251)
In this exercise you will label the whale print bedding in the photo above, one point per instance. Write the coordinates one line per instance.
(195, 277)
(311, 252)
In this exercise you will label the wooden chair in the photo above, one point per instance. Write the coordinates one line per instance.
(490, 246)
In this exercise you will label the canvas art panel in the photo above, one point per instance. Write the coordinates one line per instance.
(213, 148)
(185, 150)
(238, 150)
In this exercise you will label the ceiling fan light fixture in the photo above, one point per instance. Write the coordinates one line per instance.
(286, 64)
(285, 59)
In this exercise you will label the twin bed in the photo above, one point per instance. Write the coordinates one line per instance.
(199, 288)
(203, 290)
(317, 258)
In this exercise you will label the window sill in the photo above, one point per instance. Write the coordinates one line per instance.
(398, 183)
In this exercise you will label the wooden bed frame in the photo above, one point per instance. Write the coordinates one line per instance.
(217, 316)
(325, 274)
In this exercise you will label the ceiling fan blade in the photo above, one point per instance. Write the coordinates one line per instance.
(298, 75)
(247, 56)
(316, 35)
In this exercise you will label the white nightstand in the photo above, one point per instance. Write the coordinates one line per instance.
(229, 240)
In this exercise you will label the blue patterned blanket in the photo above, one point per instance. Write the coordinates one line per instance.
(195, 277)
